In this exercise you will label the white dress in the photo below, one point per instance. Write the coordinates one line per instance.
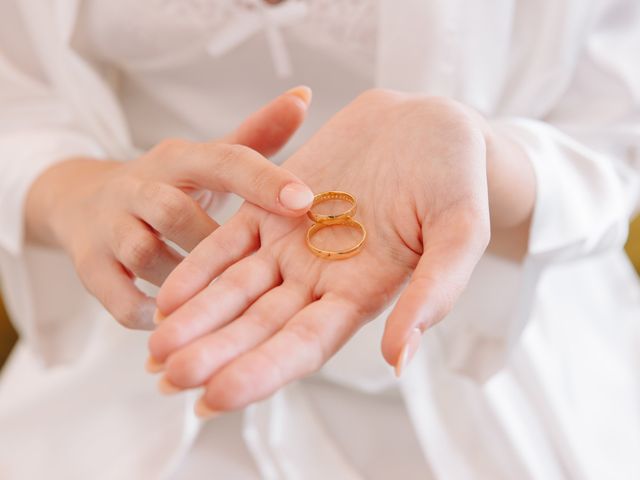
(534, 375)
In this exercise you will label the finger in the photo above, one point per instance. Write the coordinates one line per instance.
(300, 348)
(223, 167)
(268, 129)
(110, 283)
(448, 259)
(141, 252)
(172, 213)
(224, 247)
(194, 364)
(243, 171)
(225, 299)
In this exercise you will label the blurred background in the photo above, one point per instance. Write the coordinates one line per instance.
(8, 335)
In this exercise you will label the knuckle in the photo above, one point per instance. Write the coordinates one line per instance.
(374, 98)
(229, 155)
(439, 103)
(377, 93)
(140, 251)
(226, 155)
(173, 211)
(265, 177)
(149, 191)
(169, 147)
(237, 150)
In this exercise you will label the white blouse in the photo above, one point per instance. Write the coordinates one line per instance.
(534, 375)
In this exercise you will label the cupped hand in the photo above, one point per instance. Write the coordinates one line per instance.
(113, 218)
(276, 312)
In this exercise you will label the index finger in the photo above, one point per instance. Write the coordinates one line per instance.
(222, 167)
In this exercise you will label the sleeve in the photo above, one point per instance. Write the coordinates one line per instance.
(585, 156)
(37, 129)
(586, 151)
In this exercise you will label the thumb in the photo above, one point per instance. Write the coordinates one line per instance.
(269, 129)
(442, 273)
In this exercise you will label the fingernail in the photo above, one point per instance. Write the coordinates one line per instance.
(296, 196)
(408, 351)
(203, 411)
(302, 92)
(153, 366)
(166, 387)
(158, 317)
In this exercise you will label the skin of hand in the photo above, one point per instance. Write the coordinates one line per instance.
(276, 312)
(112, 217)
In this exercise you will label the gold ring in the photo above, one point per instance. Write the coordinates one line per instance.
(337, 254)
(333, 218)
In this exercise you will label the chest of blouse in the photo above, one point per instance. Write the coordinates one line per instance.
(494, 55)
(156, 34)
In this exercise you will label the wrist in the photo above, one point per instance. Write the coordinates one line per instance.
(511, 189)
(511, 182)
(512, 193)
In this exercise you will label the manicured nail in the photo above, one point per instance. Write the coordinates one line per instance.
(166, 387)
(302, 92)
(158, 317)
(408, 351)
(296, 196)
(203, 411)
(153, 366)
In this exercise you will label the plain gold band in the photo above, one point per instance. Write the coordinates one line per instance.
(333, 218)
(336, 254)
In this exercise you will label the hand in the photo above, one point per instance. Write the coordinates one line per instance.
(277, 312)
(113, 217)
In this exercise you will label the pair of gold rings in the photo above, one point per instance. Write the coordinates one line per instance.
(344, 219)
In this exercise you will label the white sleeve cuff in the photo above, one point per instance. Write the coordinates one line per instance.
(46, 301)
(584, 199)
(23, 157)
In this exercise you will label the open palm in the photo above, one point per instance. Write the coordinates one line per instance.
(277, 312)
